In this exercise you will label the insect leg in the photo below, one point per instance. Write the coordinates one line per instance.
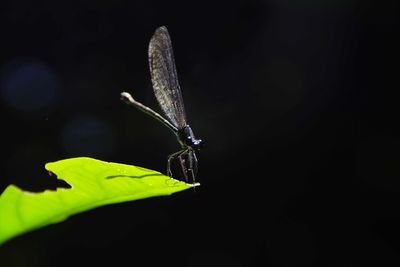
(192, 165)
(182, 162)
(170, 158)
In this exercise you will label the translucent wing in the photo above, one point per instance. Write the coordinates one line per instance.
(164, 78)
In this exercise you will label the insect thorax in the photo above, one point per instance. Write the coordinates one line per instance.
(186, 137)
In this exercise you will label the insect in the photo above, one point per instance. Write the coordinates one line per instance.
(168, 94)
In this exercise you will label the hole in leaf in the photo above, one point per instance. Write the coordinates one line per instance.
(57, 183)
(48, 182)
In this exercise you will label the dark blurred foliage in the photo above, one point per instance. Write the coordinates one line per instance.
(296, 100)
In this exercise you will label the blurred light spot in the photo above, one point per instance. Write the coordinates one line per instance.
(88, 136)
(28, 86)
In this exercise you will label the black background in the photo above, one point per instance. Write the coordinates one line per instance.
(296, 101)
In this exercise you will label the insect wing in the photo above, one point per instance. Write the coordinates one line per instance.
(164, 77)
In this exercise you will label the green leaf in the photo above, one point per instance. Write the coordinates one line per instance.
(93, 183)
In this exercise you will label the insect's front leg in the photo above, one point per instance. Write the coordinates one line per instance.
(192, 170)
(188, 164)
(170, 158)
(182, 162)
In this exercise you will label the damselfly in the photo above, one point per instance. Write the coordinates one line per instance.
(168, 93)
